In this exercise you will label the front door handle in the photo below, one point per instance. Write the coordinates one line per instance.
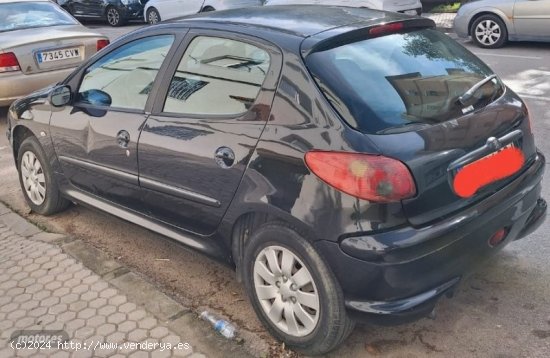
(225, 157)
(122, 139)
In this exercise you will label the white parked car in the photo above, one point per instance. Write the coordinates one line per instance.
(159, 10)
(411, 7)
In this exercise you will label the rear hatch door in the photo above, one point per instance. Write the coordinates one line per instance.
(424, 99)
(429, 153)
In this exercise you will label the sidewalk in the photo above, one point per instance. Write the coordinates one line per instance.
(43, 288)
(443, 21)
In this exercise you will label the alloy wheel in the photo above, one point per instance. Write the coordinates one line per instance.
(34, 180)
(113, 17)
(488, 32)
(153, 17)
(286, 291)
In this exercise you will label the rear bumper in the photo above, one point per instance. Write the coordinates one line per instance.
(397, 276)
(14, 85)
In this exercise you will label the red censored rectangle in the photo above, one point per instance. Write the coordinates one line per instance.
(487, 170)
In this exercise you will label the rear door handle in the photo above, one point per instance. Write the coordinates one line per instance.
(225, 157)
(123, 139)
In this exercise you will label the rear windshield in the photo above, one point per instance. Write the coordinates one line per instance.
(400, 81)
(27, 15)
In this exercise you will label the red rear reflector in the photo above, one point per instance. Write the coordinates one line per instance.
(498, 237)
(487, 170)
(101, 44)
(8, 62)
(370, 177)
(386, 29)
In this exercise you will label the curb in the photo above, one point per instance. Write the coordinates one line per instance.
(175, 316)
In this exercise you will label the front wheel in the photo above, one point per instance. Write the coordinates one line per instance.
(153, 16)
(114, 17)
(293, 292)
(37, 179)
(489, 31)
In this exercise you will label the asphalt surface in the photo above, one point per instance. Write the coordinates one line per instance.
(501, 310)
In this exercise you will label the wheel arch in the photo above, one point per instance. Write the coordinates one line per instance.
(20, 133)
(248, 222)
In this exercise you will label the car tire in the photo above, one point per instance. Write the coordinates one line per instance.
(153, 16)
(489, 31)
(114, 17)
(303, 307)
(37, 180)
(207, 9)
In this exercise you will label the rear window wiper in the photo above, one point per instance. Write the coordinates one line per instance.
(405, 127)
(472, 90)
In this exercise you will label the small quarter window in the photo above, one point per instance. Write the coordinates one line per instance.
(217, 76)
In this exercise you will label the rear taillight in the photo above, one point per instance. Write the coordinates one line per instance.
(386, 29)
(101, 44)
(370, 177)
(8, 62)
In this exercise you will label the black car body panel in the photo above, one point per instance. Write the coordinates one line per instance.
(390, 258)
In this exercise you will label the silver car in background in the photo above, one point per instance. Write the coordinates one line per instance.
(160, 10)
(491, 23)
(40, 44)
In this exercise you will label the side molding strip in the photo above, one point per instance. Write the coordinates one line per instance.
(179, 192)
(205, 245)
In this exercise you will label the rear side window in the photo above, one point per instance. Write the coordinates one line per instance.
(217, 76)
(388, 84)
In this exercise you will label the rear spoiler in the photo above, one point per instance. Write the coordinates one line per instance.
(369, 31)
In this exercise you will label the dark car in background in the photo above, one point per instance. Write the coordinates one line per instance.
(324, 159)
(114, 12)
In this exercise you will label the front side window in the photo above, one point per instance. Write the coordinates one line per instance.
(124, 77)
(217, 76)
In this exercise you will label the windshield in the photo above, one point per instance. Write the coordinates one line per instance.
(26, 15)
(402, 81)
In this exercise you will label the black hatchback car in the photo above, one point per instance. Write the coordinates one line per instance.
(115, 12)
(327, 153)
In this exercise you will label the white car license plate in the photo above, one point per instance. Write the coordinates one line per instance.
(410, 12)
(58, 55)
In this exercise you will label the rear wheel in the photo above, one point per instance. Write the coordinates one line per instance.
(293, 292)
(114, 17)
(153, 16)
(489, 31)
(37, 180)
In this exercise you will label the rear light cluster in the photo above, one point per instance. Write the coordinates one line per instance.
(370, 177)
(8, 62)
(101, 44)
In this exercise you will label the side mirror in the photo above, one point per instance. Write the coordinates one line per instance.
(96, 97)
(60, 96)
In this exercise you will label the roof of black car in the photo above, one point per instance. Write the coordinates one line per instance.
(300, 20)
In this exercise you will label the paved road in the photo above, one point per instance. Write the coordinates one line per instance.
(503, 310)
